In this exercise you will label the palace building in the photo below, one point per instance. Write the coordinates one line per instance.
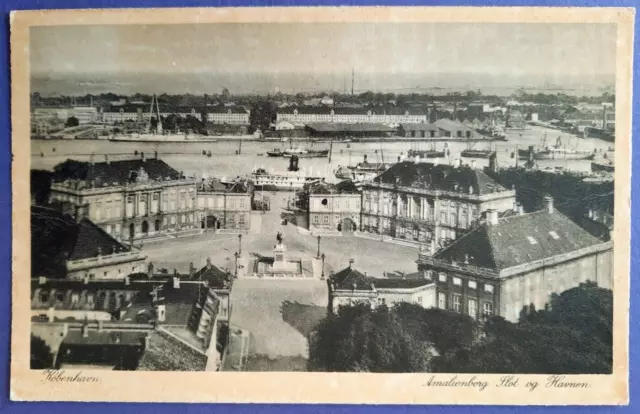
(510, 263)
(331, 207)
(224, 206)
(326, 114)
(424, 202)
(129, 199)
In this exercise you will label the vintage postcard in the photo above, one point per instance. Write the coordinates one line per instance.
(337, 205)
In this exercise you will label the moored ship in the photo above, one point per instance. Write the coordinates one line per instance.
(603, 165)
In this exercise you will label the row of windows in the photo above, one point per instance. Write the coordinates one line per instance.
(472, 305)
(472, 284)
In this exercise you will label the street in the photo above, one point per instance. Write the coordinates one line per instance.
(278, 314)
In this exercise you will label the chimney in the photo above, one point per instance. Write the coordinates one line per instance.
(51, 314)
(192, 269)
(519, 209)
(466, 258)
(85, 279)
(150, 271)
(458, 163)
(85, 331)
(548, 204)
(416, 159)
(142, 156)
(209, 265)
(106, 159)
(365, 158)
(155, 154)
(492, 217)
(426, 274)
(42, 280)
(127, 281)
(100, 326)
(99, 251)
(351, 262)
(176, 282)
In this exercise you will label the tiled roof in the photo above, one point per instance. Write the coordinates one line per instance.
(115, 172)
(449, 125)
(323, 187)
(439, 177)
(166, 353)
(420, 127)
(351, 279)
(214, 276)
(75, 337)
(59, 238)
(518, 240)
(339, 127)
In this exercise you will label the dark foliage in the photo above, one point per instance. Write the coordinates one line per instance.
(41, 356)
(72, 121)
(573, 335)
(41, 186)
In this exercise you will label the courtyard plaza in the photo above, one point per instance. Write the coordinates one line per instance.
(278, 314)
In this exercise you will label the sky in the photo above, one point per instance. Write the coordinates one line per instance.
(532, 51)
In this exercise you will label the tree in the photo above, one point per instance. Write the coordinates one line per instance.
(364, 340)
(572, 335)
(225, 94)
(41, 356)
(72, 121)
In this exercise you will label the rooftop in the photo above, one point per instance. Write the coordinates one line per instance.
(61, 238)
(430, 176)
(517, 240)
(339, 127)
(352, 279)
(166, 353)
(323, 187)
(116, 172)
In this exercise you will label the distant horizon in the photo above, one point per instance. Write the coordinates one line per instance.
(292, 57)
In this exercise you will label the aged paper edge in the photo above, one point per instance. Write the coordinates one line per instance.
(292, 387)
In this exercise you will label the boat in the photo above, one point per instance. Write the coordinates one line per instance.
(428, 153)
(556, 152)
(471, 153)
(276, 152)
(343, 173)
(281, 180)
(603, 165)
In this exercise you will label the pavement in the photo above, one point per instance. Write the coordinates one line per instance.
(278, 314)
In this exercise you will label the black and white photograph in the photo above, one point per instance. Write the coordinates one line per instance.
(373, 197)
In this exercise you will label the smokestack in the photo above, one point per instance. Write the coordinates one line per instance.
(548, 203)
(492, 217)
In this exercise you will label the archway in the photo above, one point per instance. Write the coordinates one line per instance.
(145, 228)
(132, 231)
(211, 222)
(156, 225)
(348, 225)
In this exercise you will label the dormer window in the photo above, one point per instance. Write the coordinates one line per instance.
(295, 112)
(133, 176)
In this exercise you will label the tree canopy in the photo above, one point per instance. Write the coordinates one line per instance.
(72, 121)
(41, 356)
(572, 335)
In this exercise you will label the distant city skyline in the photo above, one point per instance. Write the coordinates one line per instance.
(311, 57)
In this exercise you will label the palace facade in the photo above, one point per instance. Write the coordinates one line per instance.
(424, 202)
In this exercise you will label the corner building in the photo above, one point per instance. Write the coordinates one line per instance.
(510, 263)
(427, 202)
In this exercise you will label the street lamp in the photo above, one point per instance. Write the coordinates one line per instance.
(322, 275)
(239, 244)
(318, 255)
(236, 255)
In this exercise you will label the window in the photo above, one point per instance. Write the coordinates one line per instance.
(443, 218)
(488, 288)
(383, 301)
(44, 297)
(442, 300)
(457, 281)
(554, 235)
(173, 219)
(242, 203)
(325, 219)
(419, 300)
(442, 277)
(472, 308)
(164, 221)
(60, 296)
(90, 299)
(487, 309)
(456, 303)
(473, 284)
(74, 298)
(316, 219)
(109, 228)
(241, 218)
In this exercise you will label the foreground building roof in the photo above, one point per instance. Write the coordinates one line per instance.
(518, 240)
(60, 238)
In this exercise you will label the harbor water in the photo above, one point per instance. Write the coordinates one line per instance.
(225, 161)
